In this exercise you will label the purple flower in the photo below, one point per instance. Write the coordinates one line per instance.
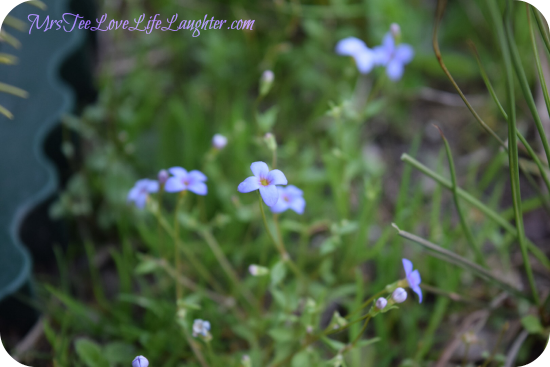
(182, 180)
(201, 327)
(140, 361)
(141, 190)
(381, 303)
(290, 197)
(399, 295)
(393, 57)
(413, 278)
(364, 57)
(265, 181)
(219, 141)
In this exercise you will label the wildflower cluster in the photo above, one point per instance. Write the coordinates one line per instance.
(390, 54)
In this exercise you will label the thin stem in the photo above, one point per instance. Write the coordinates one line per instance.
(453, 258)
(465, 228)
(465, 357)
(279, 244)
(179, 203)
(494, 352)
(361, 332)
(160, 234)
(366, 303)
(478, 204)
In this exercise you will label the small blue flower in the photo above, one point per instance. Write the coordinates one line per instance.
(290, 197)
(140, 361)
(182, 180)
(219, 141)
(413, 278)
(364, 57)
(393, 57)
(141, 190)
(201, 327)
(265, 181)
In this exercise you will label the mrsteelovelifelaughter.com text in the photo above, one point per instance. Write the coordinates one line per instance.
(69, 22)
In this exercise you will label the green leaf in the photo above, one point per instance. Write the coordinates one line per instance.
(267, 119)
(282, 335)
(532, 324)
(90, 353)
(334, 344)
(278, 273)
(301, 359)
(119, 352)
(365, 342)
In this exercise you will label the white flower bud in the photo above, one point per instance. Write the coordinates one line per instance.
(140, 361)
(257, 270)
(399, 295)
(381, 303)
(395, 31)
(219, 141)
(266, 81)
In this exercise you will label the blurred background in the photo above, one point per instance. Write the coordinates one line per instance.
(99, 110)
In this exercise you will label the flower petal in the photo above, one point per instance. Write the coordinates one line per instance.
(141, 201)
(152, 186)
(414, 278)
(198, 188)
(248, 185)
(178, 171)
(365, 61)
(298, 205)
(293, 191)
(350, 46)
(388, 42)
(259, 169)
(418, 291)
(280, 206)
(404, 53)
(269, 194)
(174, 184)
(197, 176)
(408, 265)
(276, 177)
(381, 55)
(395, 70)
(134, 193)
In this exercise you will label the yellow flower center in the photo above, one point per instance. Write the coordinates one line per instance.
(264, 182)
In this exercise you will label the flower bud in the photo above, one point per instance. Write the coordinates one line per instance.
(399, 295)
(163, 177)
(271, 142)
(219, 141)
(395, 31)
(257, 270)
(266, 81)
(381, 303)
(246, 362)
(140, 361)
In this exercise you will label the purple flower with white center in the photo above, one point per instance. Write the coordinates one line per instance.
(265, 181)
(219, 141)
(413, 278)
(364, 57)
(140, 361)
(393, 57)
(141, 190)
(201, 327)
(290, 197)
(182, 180)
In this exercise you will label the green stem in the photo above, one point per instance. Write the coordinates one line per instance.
(512, 138)
(366, 303)
(478, 204)
(278, 244)
(453, 258)
(469, 236)
(177, 266)
(361, 332)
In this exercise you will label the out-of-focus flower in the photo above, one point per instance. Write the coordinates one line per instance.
(266, 81)
(413, 278)
(395, 31)
(364, 57)
(265, 181)
(257, 270)
(182, 180)
(290, 197)
(393, 56)
(201, 327)
(399, 295)
(381, 303)
(141, 190)
(140, 361)
(219, 141)
(163, 176)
